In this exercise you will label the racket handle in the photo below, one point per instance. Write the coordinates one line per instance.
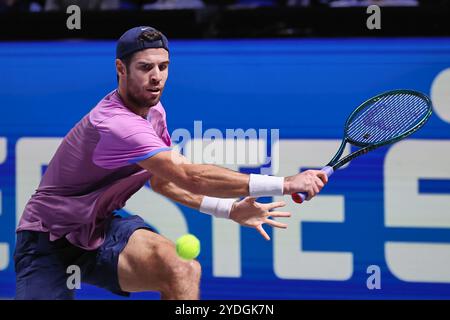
(301, 196)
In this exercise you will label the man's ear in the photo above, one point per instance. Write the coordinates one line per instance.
(120, 67)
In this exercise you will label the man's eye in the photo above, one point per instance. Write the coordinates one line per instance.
(162, 67)
(145, 67)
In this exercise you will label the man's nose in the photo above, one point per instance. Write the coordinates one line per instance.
(156, 76)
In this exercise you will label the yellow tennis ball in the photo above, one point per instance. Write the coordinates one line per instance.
(188, 246)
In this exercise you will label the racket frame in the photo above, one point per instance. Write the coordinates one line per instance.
(335, 163)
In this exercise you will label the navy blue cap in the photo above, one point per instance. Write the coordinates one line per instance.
(129, 42)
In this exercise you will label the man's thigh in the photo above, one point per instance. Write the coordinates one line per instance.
(40, 272)
(104, 270)
(146, 262)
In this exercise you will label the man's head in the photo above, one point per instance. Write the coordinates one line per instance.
(142, 60)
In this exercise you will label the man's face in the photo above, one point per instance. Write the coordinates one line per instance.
(146, 76)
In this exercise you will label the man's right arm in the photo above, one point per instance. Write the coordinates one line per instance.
(220, 182)
(203, 179)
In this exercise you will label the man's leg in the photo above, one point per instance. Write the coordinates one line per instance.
(40, 268)
(149, 262)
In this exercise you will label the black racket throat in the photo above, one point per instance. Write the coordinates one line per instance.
(336, 162)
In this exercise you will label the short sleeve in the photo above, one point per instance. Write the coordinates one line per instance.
(126, 139)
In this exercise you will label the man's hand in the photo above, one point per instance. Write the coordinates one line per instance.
(250, 213)
(310, 182)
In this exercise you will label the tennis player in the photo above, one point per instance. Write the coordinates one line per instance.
(109, 155)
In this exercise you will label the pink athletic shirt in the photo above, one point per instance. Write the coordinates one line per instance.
(94, 172)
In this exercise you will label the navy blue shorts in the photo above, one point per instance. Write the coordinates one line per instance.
(42, 265)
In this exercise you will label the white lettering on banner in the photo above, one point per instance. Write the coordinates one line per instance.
(4, 256)
(3, 154)
(406, 163)
(226, 236)
(289, 261)
(159, 211)
(440, 94)
(3, 150)
(4, 247)
(31, 154)
(419, 261)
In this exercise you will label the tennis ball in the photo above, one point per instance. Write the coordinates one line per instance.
(188, 246)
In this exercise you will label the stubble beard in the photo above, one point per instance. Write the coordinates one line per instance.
(141, 102)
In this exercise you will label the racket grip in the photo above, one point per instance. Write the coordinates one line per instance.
(299, 197)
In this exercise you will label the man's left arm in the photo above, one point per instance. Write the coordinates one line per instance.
(246, 212)
(177, 194)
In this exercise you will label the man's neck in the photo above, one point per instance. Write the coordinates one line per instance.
(140, 111)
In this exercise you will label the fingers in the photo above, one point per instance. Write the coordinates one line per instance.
(276, 224)
(273, 205)
(320, 183)
(319, 180)
(250, 199)
(263, 232)
(279, 214)
(273, 223)
(322, 176)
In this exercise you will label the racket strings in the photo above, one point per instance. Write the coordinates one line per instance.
(398, 123)
(389, 127)
(387, 118)
(410, 119)
(384, 126)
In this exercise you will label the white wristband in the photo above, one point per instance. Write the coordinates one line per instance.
(219, 208)
(265, 186)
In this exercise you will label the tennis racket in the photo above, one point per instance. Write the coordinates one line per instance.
(381, 120)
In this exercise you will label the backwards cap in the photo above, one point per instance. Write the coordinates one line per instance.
(130, 42)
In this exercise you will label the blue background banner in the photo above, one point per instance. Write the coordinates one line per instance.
(386, 216)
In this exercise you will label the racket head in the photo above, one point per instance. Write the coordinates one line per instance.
(387, 118)
(381, 120)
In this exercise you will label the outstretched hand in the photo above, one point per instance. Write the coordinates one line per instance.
(250, 213)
